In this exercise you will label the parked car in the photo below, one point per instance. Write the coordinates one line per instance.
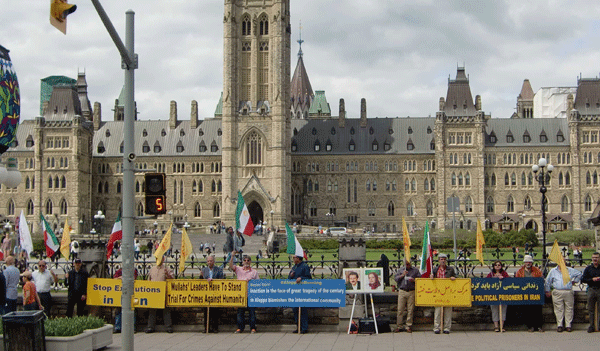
(337, 231)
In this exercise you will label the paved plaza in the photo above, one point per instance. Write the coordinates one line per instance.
(579, 339)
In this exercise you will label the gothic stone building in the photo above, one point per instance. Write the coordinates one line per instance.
(275, 140)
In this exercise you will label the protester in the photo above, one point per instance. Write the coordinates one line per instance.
(384, 262)
(21, 263)
(405, 278)
(136, 249)
(209, 273)
(498, 272)
(532, 314)
(6, 246)
(443, 271)
(118, 318)
(300, 271)
(43, 279)
(31, 300)
(76, 280)
(247, 273)
(562, 295)
(11, 275)
(159, 273)
(591, 277)
(74, 249)
(2, 293)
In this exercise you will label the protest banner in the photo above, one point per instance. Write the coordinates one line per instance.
(288, 293)
(443, 292)
(507, 291)
(107, 292)
(204, 293)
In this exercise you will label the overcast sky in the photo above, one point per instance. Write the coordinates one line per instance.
(396, 54)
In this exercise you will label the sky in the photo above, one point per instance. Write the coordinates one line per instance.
(398, 55)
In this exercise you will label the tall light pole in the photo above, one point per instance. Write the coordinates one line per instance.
(272, 224)
(99, 220)
(541, 173)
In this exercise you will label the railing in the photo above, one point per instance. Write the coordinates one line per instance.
(276, 266)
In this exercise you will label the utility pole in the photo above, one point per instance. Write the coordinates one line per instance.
(129, 64)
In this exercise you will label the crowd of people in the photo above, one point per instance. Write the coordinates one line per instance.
(562, 295)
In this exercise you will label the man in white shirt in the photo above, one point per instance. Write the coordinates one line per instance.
(562, 295)
(43, 279)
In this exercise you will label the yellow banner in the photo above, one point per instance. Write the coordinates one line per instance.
(443, 292)
(202, 293)
(107, 292)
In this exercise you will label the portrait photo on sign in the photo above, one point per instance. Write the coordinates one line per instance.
(372, 280)
(352, 278)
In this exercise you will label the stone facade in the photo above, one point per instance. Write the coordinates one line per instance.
(362, 172)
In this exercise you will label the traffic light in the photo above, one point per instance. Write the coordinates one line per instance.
(59, 9)
(155, 191)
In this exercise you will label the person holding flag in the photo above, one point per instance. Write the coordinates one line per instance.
(405, 277)
(116, 234)
(52, 244)
(299, 271)
(426, 254)
(559, 285)
(65, 240)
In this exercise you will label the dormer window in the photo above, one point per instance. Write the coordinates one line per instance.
(101, 148)
(375, 145)
(429, 131)
(294, 145)
(295, 131)
(200, 132)
(387, 146)
(145, 147)
(179, 147)
(410, 131)
(328, 146)
(352, 131)
(314, 131)
(107, 133)
(163, 133)
(371, 131)
(144, 133)
(410, 145)
(219, 132)
(157, 147)
(202, 146)
(333, 131)
(510, 138)
(351, 146)
(214, 147)
(317, 145)
(181, 133)
(543, 137)
(493, 138)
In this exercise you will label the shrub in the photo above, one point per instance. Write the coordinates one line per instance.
(71, 326)
(576, 237)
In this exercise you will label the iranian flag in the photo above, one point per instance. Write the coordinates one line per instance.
(243, 222)
(293, 245)
(52, 244)
(117, 234)
(426, 255)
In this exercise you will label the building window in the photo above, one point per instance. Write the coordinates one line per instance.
(254, 149)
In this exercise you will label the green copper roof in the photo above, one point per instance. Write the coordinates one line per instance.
(48, 83)
(319, 106)
(219, 109)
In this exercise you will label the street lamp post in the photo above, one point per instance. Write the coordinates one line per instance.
(330, 216)
(155, 224)
(272, 226)
(186, 225)
(99, 219)
(541, 173)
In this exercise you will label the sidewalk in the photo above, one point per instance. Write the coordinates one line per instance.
(579, 339)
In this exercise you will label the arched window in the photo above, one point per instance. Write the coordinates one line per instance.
(63, 182)
(371, 209)
(527, 203)
(510, 204)
(489, 205)
(49, 206)
(468, 204)
(254, 149)
(410, 209)
(391, 209)
(588, 203)
(312, 208)
(429, 207)
(11, 207)
(63, 207)
(139, 209)
(119, 187)
(432, 184)
(216, 210)
(197, 210)
(564, 204)
(30, 207)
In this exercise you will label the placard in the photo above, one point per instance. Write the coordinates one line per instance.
(107, 292)
(507, 291)
(204, 293)
(443, 292)
(352, 278)
(288, 293)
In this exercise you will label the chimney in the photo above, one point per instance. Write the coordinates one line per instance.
(363, 112)
(478, 102)
(173, 115)
(194, 115)
(342, 115)
(442, 104)
(97, 115)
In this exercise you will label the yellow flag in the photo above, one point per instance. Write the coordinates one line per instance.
(406, 240)
(558, 258)
(65, 241)
(186, 249)
(480, 243)
(165, 244)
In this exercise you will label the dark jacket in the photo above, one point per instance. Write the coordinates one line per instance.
(77, 282)
(300, 270)
(2, 289)
(217, 273)
(590, 272)
(450, 272)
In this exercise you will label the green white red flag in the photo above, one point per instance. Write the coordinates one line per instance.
(293, 245)
(117, 234)
(426, 255)
(243, 222)
(52, 244)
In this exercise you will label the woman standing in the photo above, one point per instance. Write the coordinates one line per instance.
(498, 272)
(31, 299)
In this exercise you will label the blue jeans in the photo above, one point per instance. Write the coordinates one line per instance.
(241, 320)
(303, 318)
(118, 319)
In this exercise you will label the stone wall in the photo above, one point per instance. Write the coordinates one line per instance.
(331, 319)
